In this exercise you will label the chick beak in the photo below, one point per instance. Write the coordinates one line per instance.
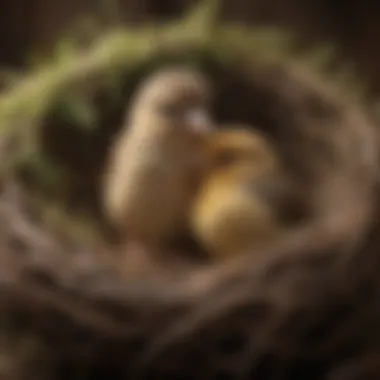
(199, 121)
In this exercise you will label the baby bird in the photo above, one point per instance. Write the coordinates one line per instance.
(236, 206)
(157, 159)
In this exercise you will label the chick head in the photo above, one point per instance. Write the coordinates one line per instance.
(240, 146)
(174, 100)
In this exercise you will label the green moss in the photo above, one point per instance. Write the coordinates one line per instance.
(122, 50)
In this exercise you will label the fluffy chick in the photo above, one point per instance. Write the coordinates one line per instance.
(156, 160)
(236, 206)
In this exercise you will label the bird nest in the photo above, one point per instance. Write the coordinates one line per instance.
(301, 308)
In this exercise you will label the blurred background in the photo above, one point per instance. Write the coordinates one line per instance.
(29, 34)
(34, 26)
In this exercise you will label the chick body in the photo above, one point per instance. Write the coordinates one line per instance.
(157, 160)
(234, 208)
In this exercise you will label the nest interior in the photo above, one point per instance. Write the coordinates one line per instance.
(304, 309)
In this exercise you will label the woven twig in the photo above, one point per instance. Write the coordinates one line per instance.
(303, 305)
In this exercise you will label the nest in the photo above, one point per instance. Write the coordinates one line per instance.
(303, 308)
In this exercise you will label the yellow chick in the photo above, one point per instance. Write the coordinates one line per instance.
(157, 159)
(235, 208)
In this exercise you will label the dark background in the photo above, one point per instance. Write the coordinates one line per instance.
(28, 26)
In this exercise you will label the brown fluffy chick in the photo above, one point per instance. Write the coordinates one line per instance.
(157, 158)
(236, 208)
